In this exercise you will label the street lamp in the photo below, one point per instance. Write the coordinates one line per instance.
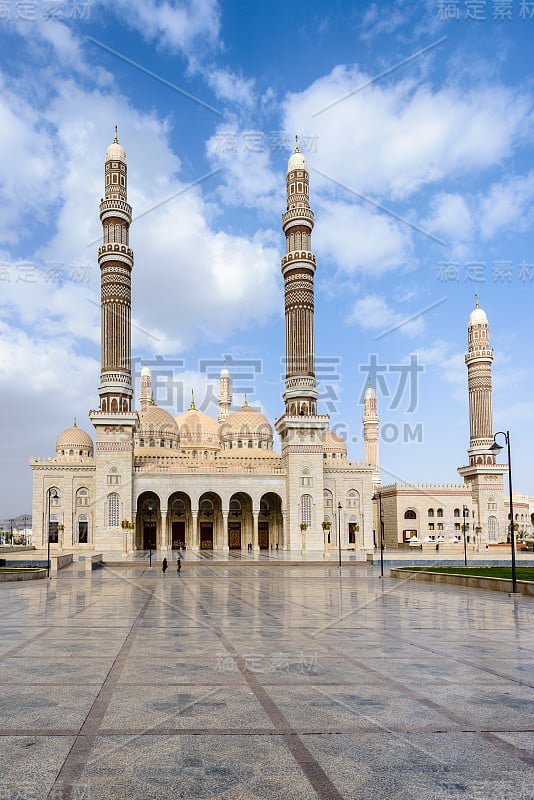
(465, 512)
(496, 448)
(52, 493)
(339, 509)
(378, 496)
(150, 508)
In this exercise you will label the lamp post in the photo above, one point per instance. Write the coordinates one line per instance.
(52, 493)
(378, 496)
(496, 448)
(339, 509)
(465, 511)
(150, 507)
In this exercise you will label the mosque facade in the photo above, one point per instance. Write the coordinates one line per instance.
(151, 480)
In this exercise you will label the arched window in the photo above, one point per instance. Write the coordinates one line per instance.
(151, 443)
(162, 442)
(235, 508)
(82, 497)
(141, 442)
(410, 514)
(206, 508)
(353, 499)
(456, 512)
(439, 512)
(430, 512)
(113, 510)
(113, 477)
(327, 498)
(305, 509)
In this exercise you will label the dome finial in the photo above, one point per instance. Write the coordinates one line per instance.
(245, 404)
(75, 425)
(116, 140)
(476, 300)
(152, 401)
(297, 144)
(192, 407)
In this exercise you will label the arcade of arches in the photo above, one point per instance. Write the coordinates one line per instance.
(210, 525)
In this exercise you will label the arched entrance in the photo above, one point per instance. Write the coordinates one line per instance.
(148, 520)
(240, 521)
(179, 514)
(270, 533)
(209, 520)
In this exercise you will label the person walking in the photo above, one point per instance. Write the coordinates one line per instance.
(179, 565)
(164, 565)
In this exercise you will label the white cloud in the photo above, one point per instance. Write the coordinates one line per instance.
(228, 85)
(372, 313)
(182, 26)
(394, 138)
(360, 240)
(508, 204)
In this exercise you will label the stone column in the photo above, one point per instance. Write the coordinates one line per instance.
(164, 536)
(255, 539)
(195, 543)
(225, 547)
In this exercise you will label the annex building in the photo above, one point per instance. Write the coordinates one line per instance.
(149, 479)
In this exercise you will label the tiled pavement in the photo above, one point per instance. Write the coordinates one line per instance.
(262, 682)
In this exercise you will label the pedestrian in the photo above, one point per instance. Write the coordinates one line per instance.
(164, 566)
(179, 565)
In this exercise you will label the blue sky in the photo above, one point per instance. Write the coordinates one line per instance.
(417, 123)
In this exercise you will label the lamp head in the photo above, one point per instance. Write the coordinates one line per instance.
(495, 448)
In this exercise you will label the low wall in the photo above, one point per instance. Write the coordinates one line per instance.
(92, 560)
(22, 575)
(58, 562)
(471, 581)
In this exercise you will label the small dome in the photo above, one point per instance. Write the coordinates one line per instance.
(74, 439)
(370, 393)
(155, 420)
(333, 443)
(197, 429)
(246, 423)
(478, 315)
(224, 372)
(297, 160)
(115, 151)
(145, 372)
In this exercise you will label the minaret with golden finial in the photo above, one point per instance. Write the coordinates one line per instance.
(370, 432)
(116, 263)
(298, 270)
(478, 360)
(225, 395)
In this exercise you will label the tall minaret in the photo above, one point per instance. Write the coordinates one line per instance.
(225, 395)
(300, 428)
(482, 476)
(298, 270)
(116, 263)
(145, 395)
(370, 433)
(115, 421)
(478, 359)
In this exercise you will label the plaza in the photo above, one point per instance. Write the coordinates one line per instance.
(263, 681)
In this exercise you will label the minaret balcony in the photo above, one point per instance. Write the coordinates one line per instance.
(116, 208)
(298, 255)
(293, 214)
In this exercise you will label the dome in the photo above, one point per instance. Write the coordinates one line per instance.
(333, 443)
(156, 420)
(246, 423)
(115, 151)
(197, 429)
(145, 372)
(297, 160)
(478, 315)
(370, 393)
(76, 440)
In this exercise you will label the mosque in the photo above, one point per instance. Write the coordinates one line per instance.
(149, 480)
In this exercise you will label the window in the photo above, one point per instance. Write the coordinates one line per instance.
(410, 514)
(250, 443)
(113, 477)
(457, 526)
(240, 443)
(82, 497)
(430, 512)
(456, 512)
(162, 442)
(440, 526)
(151, 443)
(113, 510)
(305, 509)
(83, 529)
(439, 512)
(327, 498)
(430, 526)
(353, 500)
(178, 508)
